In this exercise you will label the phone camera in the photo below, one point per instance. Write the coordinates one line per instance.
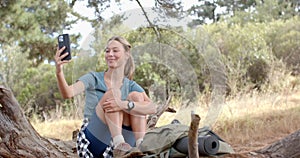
(60, 38)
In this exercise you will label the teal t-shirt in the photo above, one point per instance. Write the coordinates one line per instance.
(95, 87)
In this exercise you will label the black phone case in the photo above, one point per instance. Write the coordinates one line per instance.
(64, 40)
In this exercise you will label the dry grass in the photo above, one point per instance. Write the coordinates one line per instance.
(248, 122)
(59, 129)
(256, 121)
(251, 121)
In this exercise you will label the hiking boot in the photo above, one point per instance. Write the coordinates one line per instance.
(121, 150)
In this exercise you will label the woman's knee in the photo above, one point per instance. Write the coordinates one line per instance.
(136, 96)
(106, 95)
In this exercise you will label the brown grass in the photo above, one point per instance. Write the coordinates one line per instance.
(260, 120)
(59, 129)
(251, 121)
(248, 122)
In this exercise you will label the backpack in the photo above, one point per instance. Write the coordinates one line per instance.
(171, 141)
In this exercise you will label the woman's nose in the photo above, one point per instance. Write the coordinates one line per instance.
(110, 53)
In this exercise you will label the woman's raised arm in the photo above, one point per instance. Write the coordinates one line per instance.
(66, 90)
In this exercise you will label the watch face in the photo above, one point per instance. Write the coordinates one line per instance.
(130, 105)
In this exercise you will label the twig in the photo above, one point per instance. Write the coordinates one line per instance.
(152, 119)
(150, 23)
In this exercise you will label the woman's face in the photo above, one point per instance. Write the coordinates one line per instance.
(115, 54)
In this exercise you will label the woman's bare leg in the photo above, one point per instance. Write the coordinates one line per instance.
(138, 122)
(113, 120)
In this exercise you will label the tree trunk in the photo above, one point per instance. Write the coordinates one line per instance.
(287, 147)
(19, 139)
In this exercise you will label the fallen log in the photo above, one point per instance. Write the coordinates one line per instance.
(287, 147)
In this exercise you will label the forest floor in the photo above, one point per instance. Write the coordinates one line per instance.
(248, 122)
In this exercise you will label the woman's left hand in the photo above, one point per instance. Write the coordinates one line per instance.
(112, 105)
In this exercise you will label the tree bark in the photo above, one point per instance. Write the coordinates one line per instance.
(19, 139)
(287, 147)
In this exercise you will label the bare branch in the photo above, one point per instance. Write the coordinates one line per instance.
(152, 120)
(155, 28)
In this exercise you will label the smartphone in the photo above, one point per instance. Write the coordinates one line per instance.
(64, 40)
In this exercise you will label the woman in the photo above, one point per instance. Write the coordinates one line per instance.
(116, 107)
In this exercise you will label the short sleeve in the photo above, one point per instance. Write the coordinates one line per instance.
(94, 90)
(88, 80)
(135, 87)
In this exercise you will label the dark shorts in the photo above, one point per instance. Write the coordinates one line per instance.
(99, 138)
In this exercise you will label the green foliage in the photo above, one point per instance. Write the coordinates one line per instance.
(37, 91)
(284, 42)
(245, 48)
(35, 88)
(265, 11)
(34, 26)
(171, 57)
(258, 71)
(12, 65)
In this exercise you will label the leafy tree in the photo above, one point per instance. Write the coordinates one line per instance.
(244, 48)
(283, 39)
(265, 11)
(12, 66)
(208, 11)
(34, 26)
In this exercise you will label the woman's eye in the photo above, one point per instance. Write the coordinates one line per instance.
(114, 51)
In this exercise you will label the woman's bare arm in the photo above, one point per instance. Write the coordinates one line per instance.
(145, 107)
(111, 103)
(66, 90)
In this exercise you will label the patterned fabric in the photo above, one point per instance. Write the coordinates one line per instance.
(82, 144)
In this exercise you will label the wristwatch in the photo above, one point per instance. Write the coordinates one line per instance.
(130, 105)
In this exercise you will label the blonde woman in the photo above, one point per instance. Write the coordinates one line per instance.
(116, 106)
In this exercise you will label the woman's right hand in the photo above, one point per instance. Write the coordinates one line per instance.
(58, 59)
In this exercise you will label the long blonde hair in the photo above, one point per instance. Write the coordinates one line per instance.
(129, 66)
